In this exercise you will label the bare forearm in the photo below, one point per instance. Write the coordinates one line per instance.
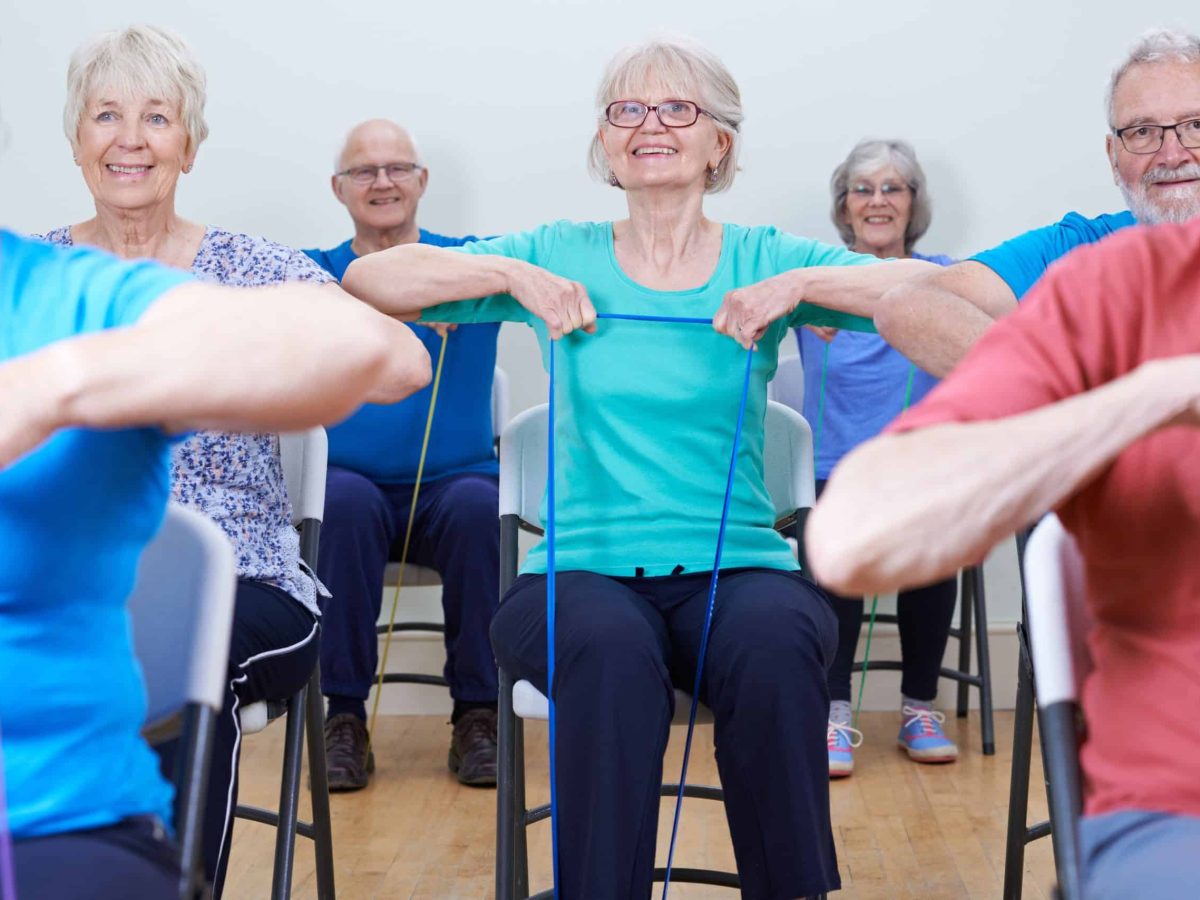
(404, 280)
(934, 328)
(853, 289)
(908, 509)
(275, 358)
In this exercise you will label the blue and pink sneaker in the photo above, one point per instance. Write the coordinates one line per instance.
(922, 736)
(842, 739)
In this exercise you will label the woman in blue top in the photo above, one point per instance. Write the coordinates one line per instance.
(99, 361)
(854, 385)
(646, 415)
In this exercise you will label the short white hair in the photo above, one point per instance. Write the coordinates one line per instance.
(142, 60)
(1155, 46)
(871, 156)
(683, 68)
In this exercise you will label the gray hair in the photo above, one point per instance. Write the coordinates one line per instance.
(1155, 46)
(685, 69)
(142, 60)
(871, 156)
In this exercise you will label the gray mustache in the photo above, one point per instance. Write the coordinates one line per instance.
(1160, 174)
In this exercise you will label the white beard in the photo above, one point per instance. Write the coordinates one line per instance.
(1181, 204)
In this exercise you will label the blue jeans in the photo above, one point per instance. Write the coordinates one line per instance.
(1141, 854)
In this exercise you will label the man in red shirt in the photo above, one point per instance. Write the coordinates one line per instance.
(1092, 390)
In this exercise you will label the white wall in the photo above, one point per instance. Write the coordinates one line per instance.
(1003, 102)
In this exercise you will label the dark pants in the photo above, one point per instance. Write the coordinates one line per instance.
(623, 644)
(924, 616)
(134, 858)
(272, 652)
(456, 531)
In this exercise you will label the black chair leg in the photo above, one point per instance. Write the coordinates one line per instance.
(289, 798)
(521, 854)
(506, 809)
(1018, 792)
(987, 725)
(319, 784)
(966, 606)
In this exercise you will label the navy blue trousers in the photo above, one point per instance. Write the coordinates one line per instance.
(133, 858)
(623, 645)
(456, 532)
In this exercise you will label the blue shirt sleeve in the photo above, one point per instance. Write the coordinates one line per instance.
(1022, 260)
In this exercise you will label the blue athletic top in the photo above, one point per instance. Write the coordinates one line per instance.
(384, 442)
(865, 382)
(1022, 260)
(645, 411)
(75, 515)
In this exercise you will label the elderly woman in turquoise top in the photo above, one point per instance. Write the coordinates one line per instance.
(646, 414)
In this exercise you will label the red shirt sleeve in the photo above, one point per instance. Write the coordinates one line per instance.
(1082, 325)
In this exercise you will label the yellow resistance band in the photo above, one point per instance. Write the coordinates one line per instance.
(412, 514)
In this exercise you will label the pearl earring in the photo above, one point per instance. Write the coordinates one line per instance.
(612, 179)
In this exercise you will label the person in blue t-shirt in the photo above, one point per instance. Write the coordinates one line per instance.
(1153, 146)
(373, 459)
(854, 385)
(101, 360)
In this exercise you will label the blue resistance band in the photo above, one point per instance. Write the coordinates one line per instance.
(551, 570)
(8, 881)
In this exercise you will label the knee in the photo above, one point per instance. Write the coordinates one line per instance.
(473, 502)
(350, 497)
(784, 624)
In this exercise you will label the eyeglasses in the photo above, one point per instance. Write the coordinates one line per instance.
(888, 189)
(672, 113)
(1149, 138)
(396, 172)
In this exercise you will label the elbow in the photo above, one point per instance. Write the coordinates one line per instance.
(836, 561)
(400, 366)
(891, 313)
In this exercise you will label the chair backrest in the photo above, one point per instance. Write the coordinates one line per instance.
(182, 613)
(787, 462)
(499, 401)
(1056, 595)
(787, 387)
(305, 459)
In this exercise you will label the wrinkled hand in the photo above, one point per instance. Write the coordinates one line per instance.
(563, 305)
(824, 332)
(747, 312)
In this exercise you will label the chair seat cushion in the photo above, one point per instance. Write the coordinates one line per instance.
(530, 703)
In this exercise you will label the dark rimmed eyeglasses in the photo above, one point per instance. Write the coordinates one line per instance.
(400, 171)
(1149, 138)
(672, 113)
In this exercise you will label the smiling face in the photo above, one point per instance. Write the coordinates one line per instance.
(655, 157)
(1162, 186)
(131, 150)
(382, 205)
(878, 208)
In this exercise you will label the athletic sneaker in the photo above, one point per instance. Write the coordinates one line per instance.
(842, 739)
(922, 736)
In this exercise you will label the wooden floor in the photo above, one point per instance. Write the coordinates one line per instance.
(903, 830)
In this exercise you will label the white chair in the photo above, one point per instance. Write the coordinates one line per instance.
(305, 459)
(181, 613)
(788, 468)
(423, 576)
(1057, 624)
(787, 387)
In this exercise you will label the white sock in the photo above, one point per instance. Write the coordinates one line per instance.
(915, 704)
(839, 712)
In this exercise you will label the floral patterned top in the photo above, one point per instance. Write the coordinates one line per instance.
(237, 479)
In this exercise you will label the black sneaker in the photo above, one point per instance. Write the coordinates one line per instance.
(347, 760)
(473, 748)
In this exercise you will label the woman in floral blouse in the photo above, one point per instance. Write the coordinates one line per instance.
(135, 119)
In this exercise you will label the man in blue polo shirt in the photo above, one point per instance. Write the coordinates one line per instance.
(1153, 147)
(373, 459)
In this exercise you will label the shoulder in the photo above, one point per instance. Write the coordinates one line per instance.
(233, 258)
(1087, 230)
(61, 236)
